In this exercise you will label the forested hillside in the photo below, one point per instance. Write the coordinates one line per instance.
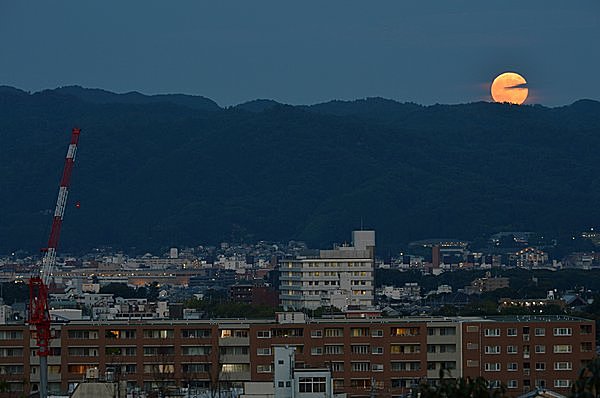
(157, 171)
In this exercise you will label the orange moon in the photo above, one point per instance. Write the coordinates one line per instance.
(509, 87)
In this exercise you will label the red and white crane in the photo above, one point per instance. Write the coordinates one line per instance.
(39, 312)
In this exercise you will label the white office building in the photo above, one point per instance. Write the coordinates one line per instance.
(342, 277)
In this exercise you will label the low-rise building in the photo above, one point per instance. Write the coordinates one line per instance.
(387, 357)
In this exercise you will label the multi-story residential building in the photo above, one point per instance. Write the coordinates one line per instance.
(385, 356)
(525, 353)
(341, 277)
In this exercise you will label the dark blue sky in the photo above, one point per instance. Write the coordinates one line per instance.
(306, 51)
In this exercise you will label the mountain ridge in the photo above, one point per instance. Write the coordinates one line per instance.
(156, 174)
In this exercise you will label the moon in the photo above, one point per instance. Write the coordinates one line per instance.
(509, 87)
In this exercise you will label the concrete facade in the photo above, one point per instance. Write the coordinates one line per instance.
(342, 277)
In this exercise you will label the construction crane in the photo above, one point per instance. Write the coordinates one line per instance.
(39, 312)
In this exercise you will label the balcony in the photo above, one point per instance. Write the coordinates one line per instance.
(234, 358)
(234, 341)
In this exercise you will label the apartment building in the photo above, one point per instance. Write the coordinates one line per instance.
(385, 356)
(342, 277)
(525, 353)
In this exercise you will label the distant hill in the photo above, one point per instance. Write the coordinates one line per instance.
(106, 97)
(259, 105)
(154, 171)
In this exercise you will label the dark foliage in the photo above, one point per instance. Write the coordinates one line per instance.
(218, 305)
(587, 384)
(460, 388)
(158, 171)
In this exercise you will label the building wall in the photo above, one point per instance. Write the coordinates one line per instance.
(532, 354)
(394, 353)
(316, 282)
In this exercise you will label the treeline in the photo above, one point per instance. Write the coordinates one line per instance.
(524, 283)
(218, 305)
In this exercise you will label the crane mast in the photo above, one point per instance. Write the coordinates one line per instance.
(39, 314)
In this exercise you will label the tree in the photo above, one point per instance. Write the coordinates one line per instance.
(587, 384)
(460, 388)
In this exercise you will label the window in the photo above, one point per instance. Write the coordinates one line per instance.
(562, 331)
(512, 367)
(405, 348)
(512, 384)
(11, 370)
(195, 367)
(495, 349)
(404, 331)
(449, 365)
(511, 331)
(472, 363)
(80, 334)
(540, 349)
(234, 350)
(334, 332)
(83, 351)
(377, 367)
(585, 329)
(472, 346)
(312, 384)
(492, 367)
(563, 366)
(448, 331)
(229, 333)
(160, 368)
(359, 332)
(120, 334)
(540, 366)
(360, 383)
(316, 351)
(162, 350)
(540, 331)
(195, 333)
(196, 350)
(563, 349)
(11, 352)
(377, 333)
(377, 350)
(511, 349)
(79, 369)
(263, 334)
(235, 367)
(158, 334)
(361, 366)
(337, 366)
(472, 328)
(562, 383)
(404, 383)
(360, 349)
(411, 366)
(586, 346)
(264, 369)
(492, 332)
(334, 349)
(316, 333)
(263, 351)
